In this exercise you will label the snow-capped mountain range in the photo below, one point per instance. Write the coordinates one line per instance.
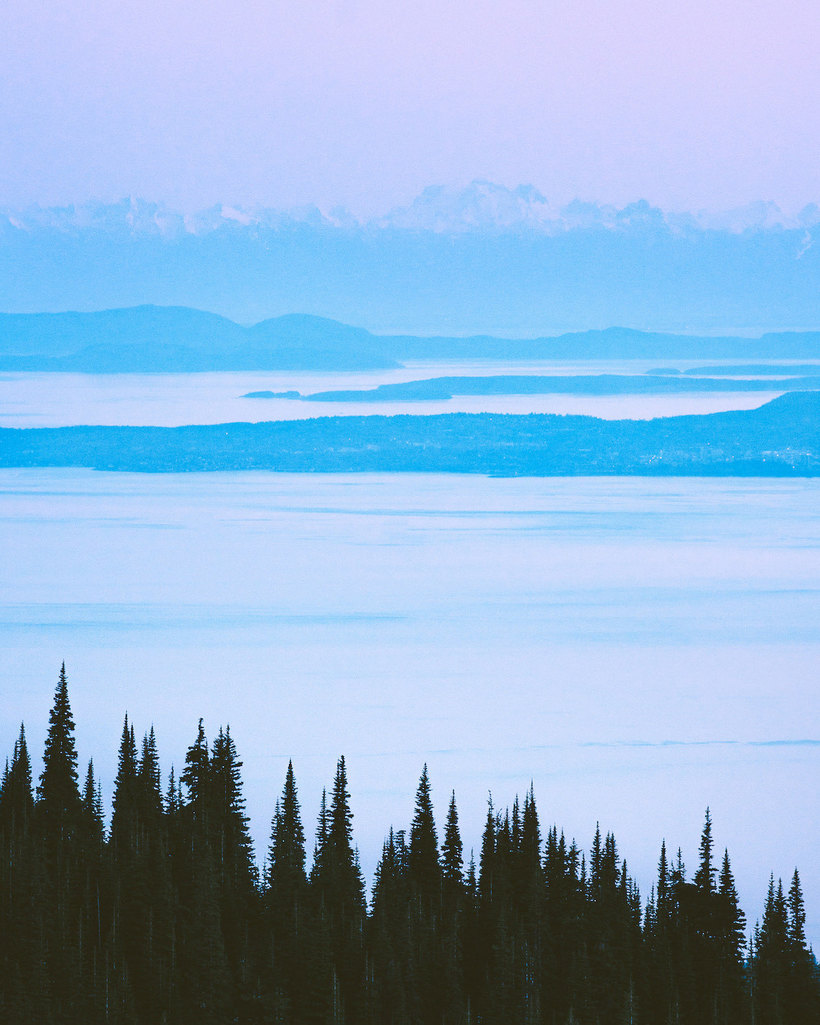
(482, 259)
(480, 207)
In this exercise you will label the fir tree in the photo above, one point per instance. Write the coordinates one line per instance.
(452, 854)
(92, 807)
(25, 889)
(196, 774)
(17, 801)
(286, 855)
(801, 997)
(733, 922)
(320, 843)
(423, 862)
(203, 978)
(232, 851)
(772, 957)
(797, 917)
(286, 896)
(705, 875)
(58, 795)
(59, 810)
(124, 820)
(664, 892)
(340, 888)
(149, 779)
(730, 929)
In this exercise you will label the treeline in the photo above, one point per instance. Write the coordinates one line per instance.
(163, 916)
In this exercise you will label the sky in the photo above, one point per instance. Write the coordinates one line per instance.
(362, 103)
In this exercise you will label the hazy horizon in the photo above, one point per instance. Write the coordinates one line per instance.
(464, 204)
(361, 104)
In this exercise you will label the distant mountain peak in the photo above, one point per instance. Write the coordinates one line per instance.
(479, 207)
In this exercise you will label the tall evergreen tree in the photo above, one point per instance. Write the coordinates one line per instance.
(17, 798)
(286, 903)
(424, 870)
(58, 795)
(772, 958)
(196, 775)
(705, 875)
(797, 915)
(424, 879)
(124, 820)
(286, 854)
(487, 858)
(232, 843)
(320, 843)
(455, 919)
(24, 978)
(59, 810)
(452, 851)
(801, 996)
(338, 883)
(92, 806)
(232, 851)
(730, 931)
(664, 893)
(530, 847)
(149, 783)
(203, 977)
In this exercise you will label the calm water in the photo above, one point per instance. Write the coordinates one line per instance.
(638, 648)
(55, 400)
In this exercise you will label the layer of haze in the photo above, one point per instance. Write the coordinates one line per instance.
(363, 102)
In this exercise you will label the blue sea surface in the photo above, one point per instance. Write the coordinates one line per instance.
(638, 648)
(170, 400)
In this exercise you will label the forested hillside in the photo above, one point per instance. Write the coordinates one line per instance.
(781, 438)
(162, 916)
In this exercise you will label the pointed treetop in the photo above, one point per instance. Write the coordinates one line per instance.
(452, 852)
(423, 861)
(530, 830)
(17, 796)
(797, 915)
(286, 855)
(58, 793)
(197, 764)
(705, 875)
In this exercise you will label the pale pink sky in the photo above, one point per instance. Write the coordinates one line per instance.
(363, 103)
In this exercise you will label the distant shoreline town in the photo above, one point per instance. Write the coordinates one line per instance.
(781, 438)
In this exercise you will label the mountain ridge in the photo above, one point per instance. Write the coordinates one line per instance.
(481, 205)
(485, 259)
(150, 338)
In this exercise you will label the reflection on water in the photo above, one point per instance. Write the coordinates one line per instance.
(639, 648)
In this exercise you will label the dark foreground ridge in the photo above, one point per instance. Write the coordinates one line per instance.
(781, 438)
(162, 916)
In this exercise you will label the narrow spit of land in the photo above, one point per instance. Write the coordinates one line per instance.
(781, 438)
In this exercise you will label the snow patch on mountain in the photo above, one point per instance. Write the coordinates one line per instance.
(482, 207)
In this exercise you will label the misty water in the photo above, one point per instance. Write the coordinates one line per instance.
(58, 399)
(638, 648)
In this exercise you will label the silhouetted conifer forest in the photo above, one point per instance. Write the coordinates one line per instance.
(162, 916)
